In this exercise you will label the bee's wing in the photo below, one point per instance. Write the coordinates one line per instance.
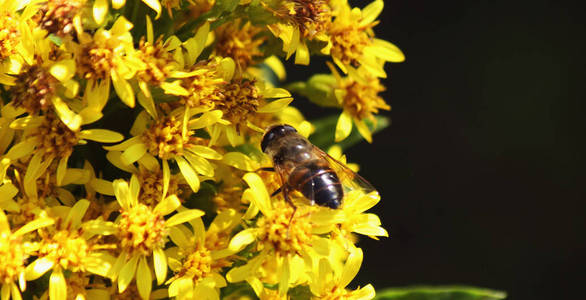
(348, 178)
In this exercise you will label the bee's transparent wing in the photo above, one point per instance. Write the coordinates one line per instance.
(349, 179)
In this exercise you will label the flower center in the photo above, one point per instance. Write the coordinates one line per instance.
(159, 62)
(57, 16)
(9, 34)
(348, 42)
(141, 230)
(33, 89)
(312, 16)
(240, 100)
(285, 235)
(165, 139)
(13, 257)
(361, 99)
(95, 62)
(66, 248)
(239, 43)
(198, 264)
(203, 87)
(152, 187)
(56, 139)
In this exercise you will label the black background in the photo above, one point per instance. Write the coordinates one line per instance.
(481, 170)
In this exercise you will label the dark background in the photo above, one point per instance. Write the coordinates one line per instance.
(481, 170)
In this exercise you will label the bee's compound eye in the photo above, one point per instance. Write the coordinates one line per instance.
(275, 132)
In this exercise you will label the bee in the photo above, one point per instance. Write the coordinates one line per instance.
(304, 167)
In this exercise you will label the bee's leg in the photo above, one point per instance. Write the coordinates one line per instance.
(276, 192)
(286, 195)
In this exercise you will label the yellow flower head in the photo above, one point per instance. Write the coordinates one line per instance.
(240, 42)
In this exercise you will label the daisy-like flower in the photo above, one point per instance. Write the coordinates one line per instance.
(357, 94)
(143, 232)
(109, 56)
(48, 138)
(239, 41)
(331, 283)
(57, 16)
(286, 244)
(303, 20)
(352, 42)
(16, 46)
(200, 257)
(171, 138)
(69, 245)
(14, 250)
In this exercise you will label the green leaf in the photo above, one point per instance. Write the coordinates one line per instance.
(319, 89)
(323, 136)
(439, 293)
(219, 14)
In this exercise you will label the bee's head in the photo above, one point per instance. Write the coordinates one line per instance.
(275, 132)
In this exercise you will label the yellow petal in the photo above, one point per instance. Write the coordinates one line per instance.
(146, 101)
(144, 281)
(69, 118)
(63, 70)
(365, 293)
(276, 93)
(188, 173)
(127, 274)
(122, 193)
(240, 161)
(34, 225)
(168, 205)
(242, 239)
(100, 9)
(285, 276)
(149, 30)
(101, 135)
(343, 127)
(37, 268)
(228, 68)
(133, 153)
(363, 129)
(160, 263)
(155, 5)
(351, 266)
(57, 286)
(102, 186)
(302, 54)
(371, 12)
(275, 64)
(200, 165)
(21, 149)
(118, 264)
(179, 238)
(174, 88)
(123, 89)
(261, 196)
(114, 158)
(388, 51)
(124, 145)
(27, 122)
(275, 106)
(121, 26)
(206, 119)
(117, 4)
(183, 217)
(76, 213)
(166, 178)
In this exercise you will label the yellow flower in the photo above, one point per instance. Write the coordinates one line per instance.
(109, 55)
(352, 42)
(286, 244)
(16, 41)
(70, 245)
(48, 138)
(331, 284)
(171, 138)
(240, 42)
(143, 232)
(303, 20)
(357, 94)
(200, 257)
(58, 16)
(14, 250)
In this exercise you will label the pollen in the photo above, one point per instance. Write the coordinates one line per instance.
(164, 138)
(95, 62)
(203, 88)
(13, 257)
(56, 139)
(239, 42)
(240, 98)
(140, 230)
(159, 62)
(9, 34)
(349, 40)
(361, 99)
(57, 16)
(198, 264)
(65, 247)
(312, 17)
(34, 89)
(152, 187)
(284, 234)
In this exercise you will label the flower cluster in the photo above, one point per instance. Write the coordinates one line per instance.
(130, 162)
